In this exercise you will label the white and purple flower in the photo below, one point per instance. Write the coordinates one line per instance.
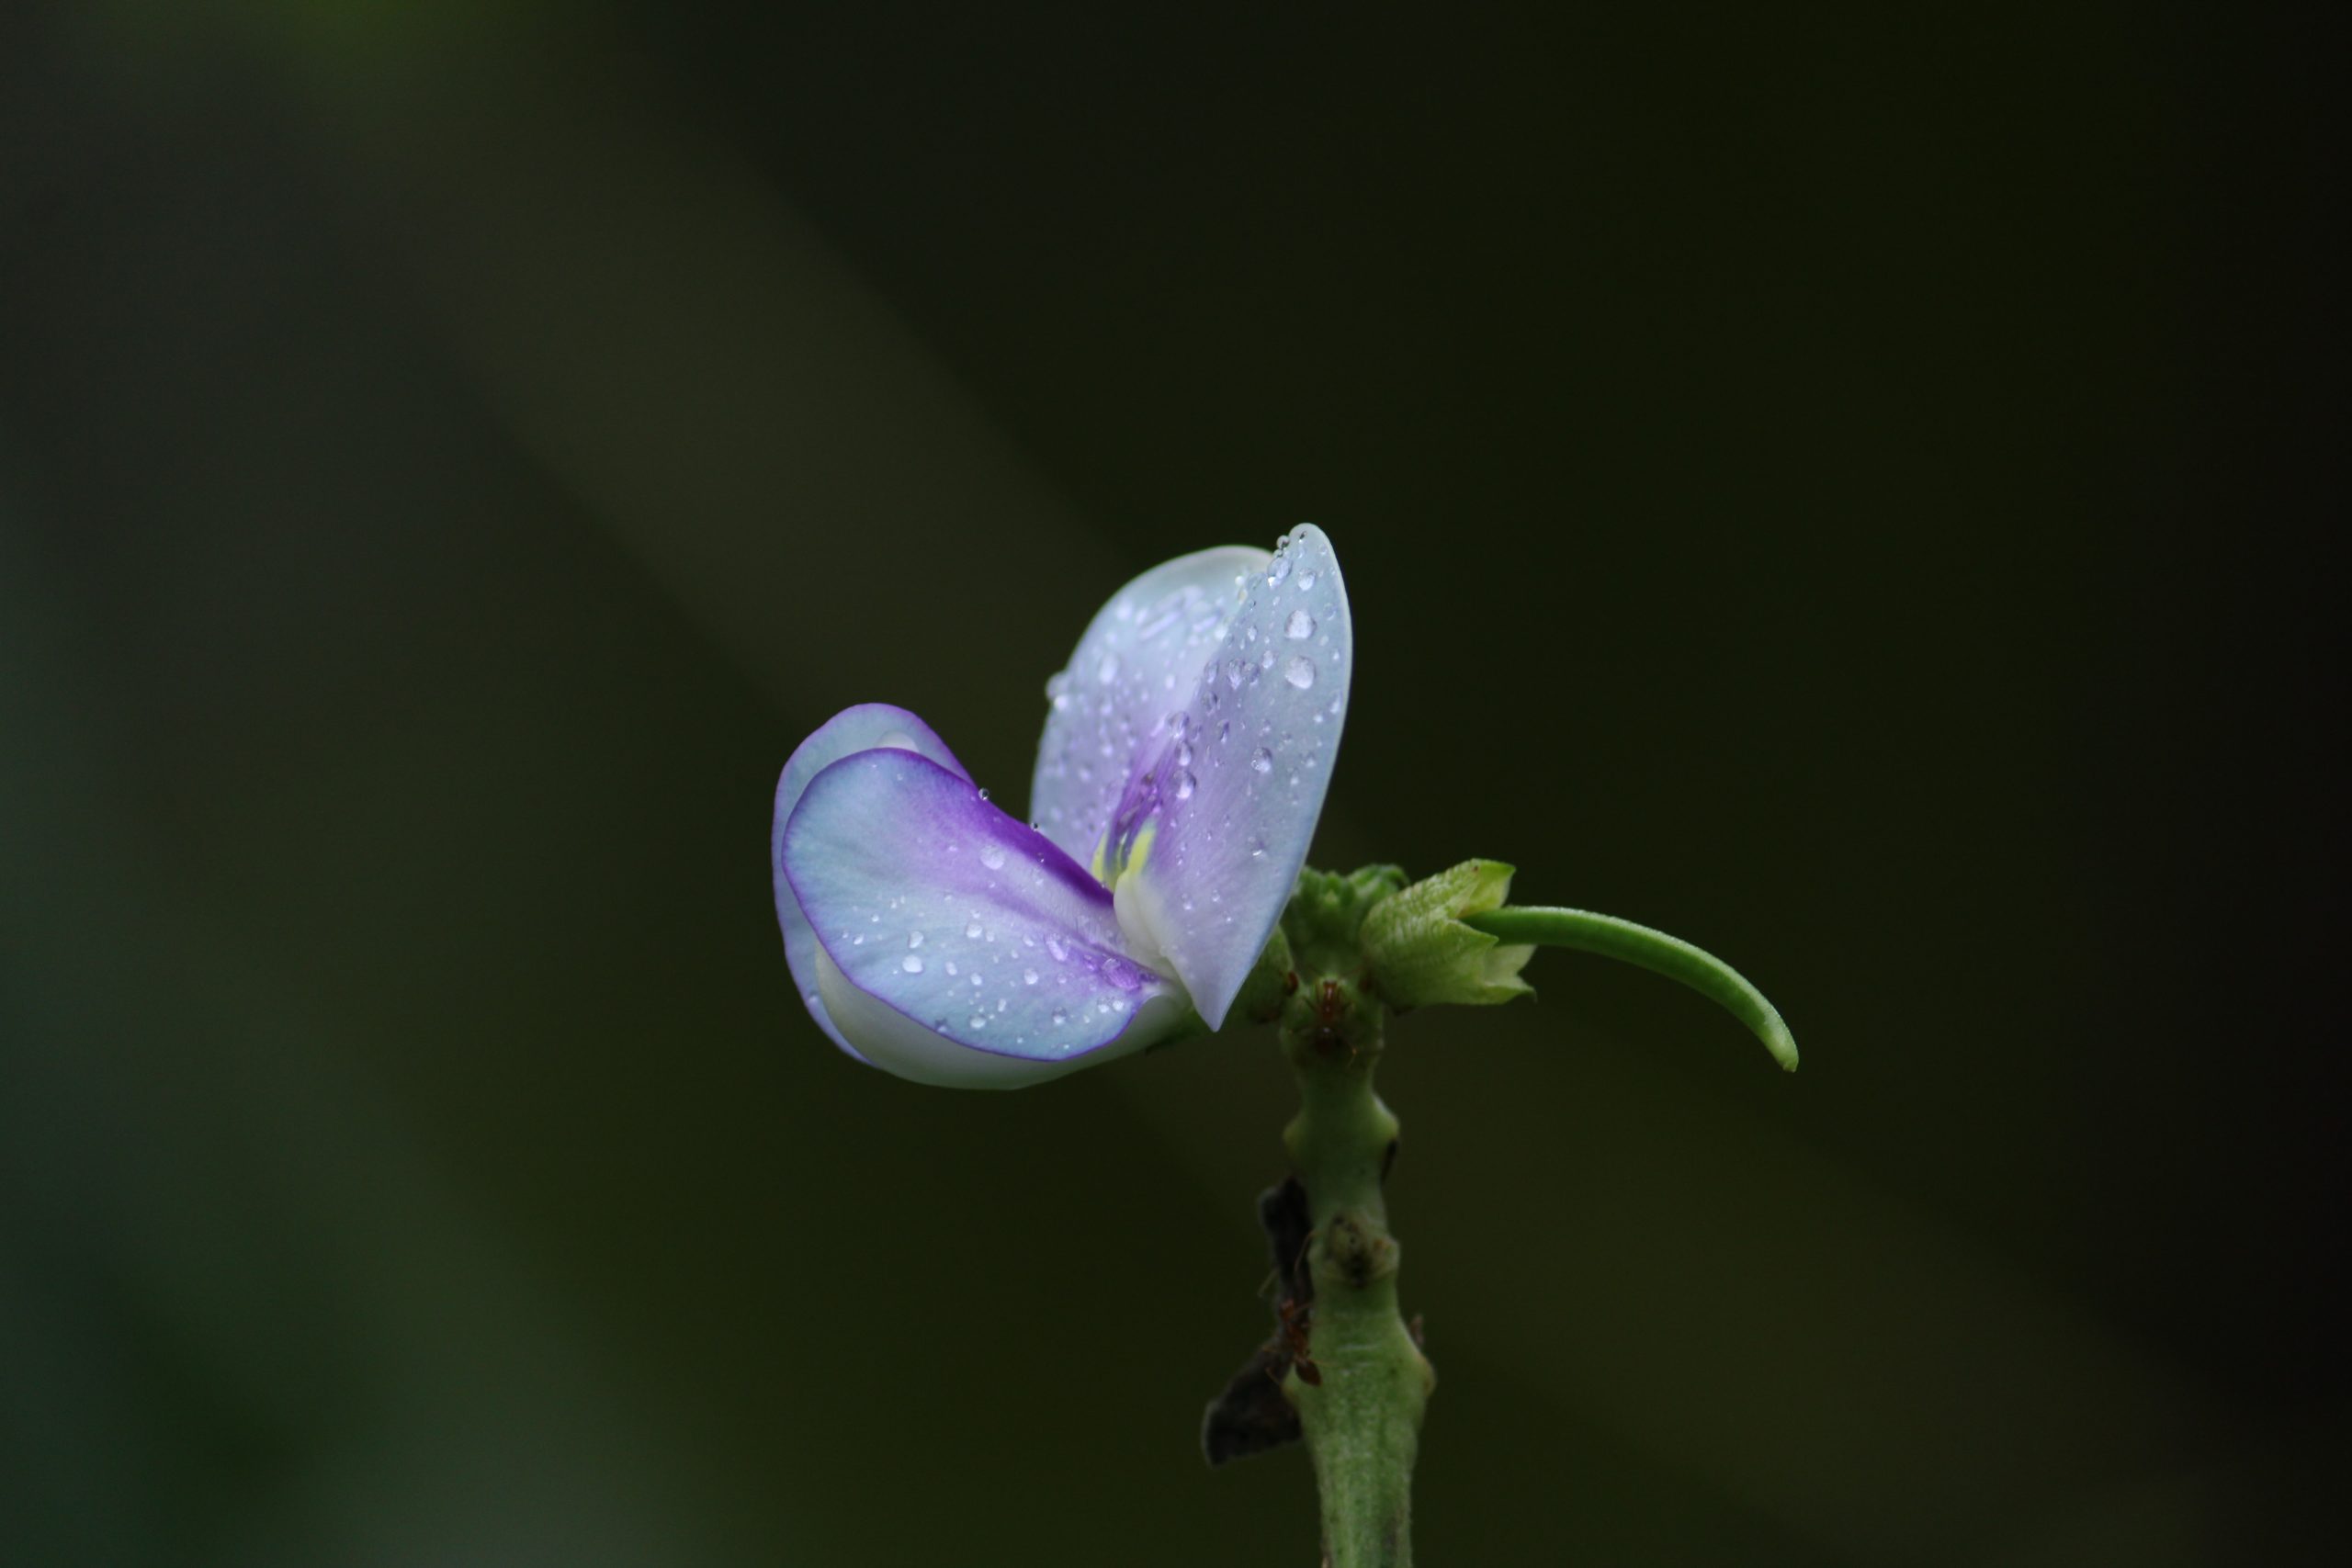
(1186, 752)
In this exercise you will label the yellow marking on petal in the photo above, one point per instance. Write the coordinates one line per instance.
(1137, 850)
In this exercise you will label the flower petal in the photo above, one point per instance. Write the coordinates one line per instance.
(1208, 839)
(1138, 661)
(860, 729)
(958, 946)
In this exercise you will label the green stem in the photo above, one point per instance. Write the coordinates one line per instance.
(1362, 1418)
(1651, 950)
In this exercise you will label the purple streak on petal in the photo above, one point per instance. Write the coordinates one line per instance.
(1137, 664)
(1234, 821)
(859, 728)
(1005, 956)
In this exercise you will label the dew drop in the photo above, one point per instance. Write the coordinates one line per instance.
(910, 963)
(971, 930)
(977, 1020)
(1300, 672)
(1060, 1015)
(1028, 976)
(1184, 786)
(993, 857)
(914, 939)
(1277, 570)
(1053, 946)
(1300, 626)
(951, 967)
(1233, 670)
(975, 979)
(984, 794)
(1306, 580)
(1261, 760)
(1108, 670)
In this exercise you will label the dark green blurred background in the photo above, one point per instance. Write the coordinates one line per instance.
(1840, 486)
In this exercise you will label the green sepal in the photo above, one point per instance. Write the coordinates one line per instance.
(1421, 952)
(1327, 909)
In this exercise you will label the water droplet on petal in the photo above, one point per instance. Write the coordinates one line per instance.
(1233, 670)
(951, 967)
(993, 857)
(1061, 1015)
(1184, 786)
(1262, 761)
(1028, 976)
(1300, 624)
(1108, 670)
(1053, 946)
(1300, 672)
(971, 930)
(914, 939)
(1306, 580)
(984, 794)
(1278, 569)
(910, 963)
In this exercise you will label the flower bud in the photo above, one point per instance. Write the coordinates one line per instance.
(1421, 952)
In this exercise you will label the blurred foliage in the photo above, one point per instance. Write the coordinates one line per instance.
(1817, 483)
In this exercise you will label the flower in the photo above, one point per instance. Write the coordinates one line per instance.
(1186, 751)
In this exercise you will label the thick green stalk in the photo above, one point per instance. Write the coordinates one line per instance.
(1351, 948)
(1363, 1384)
